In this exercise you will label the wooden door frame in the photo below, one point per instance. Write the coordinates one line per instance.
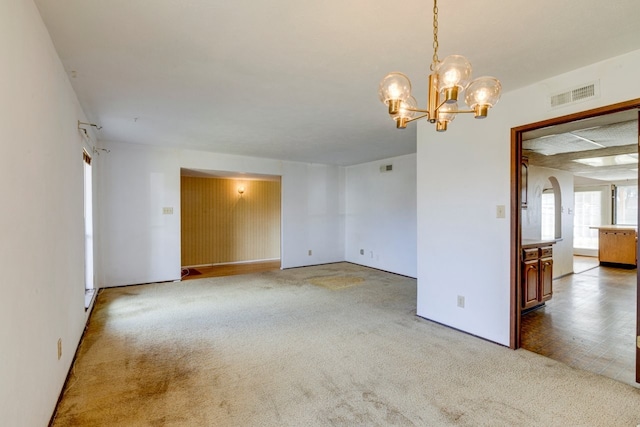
(516, 213)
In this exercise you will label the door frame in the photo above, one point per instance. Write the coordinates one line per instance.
(516, 213)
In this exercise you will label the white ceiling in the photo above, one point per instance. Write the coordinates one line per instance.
(297, 79)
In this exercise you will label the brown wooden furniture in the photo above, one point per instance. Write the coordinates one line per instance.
(617, 245)
(537, 273)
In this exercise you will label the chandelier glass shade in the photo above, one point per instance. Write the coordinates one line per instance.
(449, 80)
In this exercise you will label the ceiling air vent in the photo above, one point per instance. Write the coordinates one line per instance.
(581, 93)
(386, 168)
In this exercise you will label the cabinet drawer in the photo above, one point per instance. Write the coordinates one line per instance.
(529, 254)
(546, 252)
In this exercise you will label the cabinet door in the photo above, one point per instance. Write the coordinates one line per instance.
(617, 247)
(530, 283)
(546, 278)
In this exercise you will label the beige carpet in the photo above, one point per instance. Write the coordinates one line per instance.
(272, 349)
(336, 283)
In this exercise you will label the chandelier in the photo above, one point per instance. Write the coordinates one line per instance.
(449, 79)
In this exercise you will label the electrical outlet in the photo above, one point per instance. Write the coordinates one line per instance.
(460, 301)
(361, 251)
(310, 252)
(59, 348)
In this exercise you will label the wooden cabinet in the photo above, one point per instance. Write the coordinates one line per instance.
(546, 273)
(617, 246)
(537, 276)
(530, 277)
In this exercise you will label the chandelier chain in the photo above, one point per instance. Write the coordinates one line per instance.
(435, 36)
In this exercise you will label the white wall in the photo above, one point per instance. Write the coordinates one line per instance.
(381, 215)
(463, 249)
(313, 211)
(531, 224)
(41, 220)
(140, 245)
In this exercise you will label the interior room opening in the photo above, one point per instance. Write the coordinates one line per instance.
(229, 220)
(598, 152)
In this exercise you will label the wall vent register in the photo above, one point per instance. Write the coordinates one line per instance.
(574, 95)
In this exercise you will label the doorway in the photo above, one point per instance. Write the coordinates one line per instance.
(518, 180)
(228, 219)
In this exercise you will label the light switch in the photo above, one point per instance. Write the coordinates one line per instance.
(167, 211)
(500, 211)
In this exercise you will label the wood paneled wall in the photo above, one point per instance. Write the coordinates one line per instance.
(219, 225)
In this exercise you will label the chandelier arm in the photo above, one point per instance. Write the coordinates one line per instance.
(440, 105)
(417, 118)
(456, 112)
(463, 111)
(417, 110)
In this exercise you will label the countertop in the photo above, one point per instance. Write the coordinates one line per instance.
(615, 227)
(536, 243)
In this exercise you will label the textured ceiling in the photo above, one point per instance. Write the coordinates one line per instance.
(297, 79)
(559, 147)
(613, 135)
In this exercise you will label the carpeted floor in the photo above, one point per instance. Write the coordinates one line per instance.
(336, 282)
(275, 349)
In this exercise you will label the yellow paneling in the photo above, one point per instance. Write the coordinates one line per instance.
(219, 225)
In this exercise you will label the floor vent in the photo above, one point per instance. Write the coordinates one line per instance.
(576, 94)
(386, 168)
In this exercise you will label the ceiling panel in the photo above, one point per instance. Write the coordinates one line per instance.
(555, 144)
(610, 137)
(625, 133)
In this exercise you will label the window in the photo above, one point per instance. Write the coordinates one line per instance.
(626, 205)
(548, 215)
(588, 213)
(88, 229)
(551, 210)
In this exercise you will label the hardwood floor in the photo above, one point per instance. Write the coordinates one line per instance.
(229, 269)
(584, 263)
(589, 324)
